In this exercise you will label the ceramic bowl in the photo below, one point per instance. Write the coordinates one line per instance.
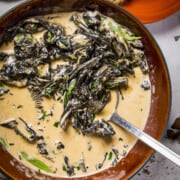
(159, 77)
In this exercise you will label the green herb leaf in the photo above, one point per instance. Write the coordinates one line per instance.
(17, 37)
(69, 91)
(19, 106)
(36, 162)
(64, 167)
(120, 139)
(117, 29)
(56, 124)
(110, 155)
(48, 92)
(77, 167)
(94, 85)
(3, 141)
(34, 26)
(49, 89)
(61, 101)
(43, 115)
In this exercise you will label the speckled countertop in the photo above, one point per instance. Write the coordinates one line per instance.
(164, 32)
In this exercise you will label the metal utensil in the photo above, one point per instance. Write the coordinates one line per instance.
(153, 143)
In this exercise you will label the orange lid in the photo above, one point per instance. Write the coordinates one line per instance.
(152, 10)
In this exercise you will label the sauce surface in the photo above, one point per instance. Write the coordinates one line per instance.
(97, 153)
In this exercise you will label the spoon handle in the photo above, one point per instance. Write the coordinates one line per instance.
(153, 143)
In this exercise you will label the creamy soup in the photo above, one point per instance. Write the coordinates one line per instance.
(69, 151)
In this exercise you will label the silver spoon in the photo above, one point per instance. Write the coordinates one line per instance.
(153, 143)
(147, 139)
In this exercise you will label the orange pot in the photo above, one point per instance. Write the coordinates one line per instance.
(153, 10)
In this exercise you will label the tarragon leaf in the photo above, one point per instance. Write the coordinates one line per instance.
(69, 91)
(117, 29)
(110, 155)
(36, 162)
(3, 141)
(56, 124)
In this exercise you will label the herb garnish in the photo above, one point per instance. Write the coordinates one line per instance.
(94, 85)
(3, 89)
(17, 106)
(36, 162)
(49, 90)
(69, 91)
(117, 29)
(3, 141)
(77, 167)
(44, 114)
(110, 155)
(56, 124)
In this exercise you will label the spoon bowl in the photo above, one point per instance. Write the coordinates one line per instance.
(151, 142)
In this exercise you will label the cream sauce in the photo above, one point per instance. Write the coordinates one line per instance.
(134, 106)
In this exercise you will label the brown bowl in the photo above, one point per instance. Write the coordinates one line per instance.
(161, 97)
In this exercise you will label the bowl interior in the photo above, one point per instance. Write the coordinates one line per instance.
(160, 95)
